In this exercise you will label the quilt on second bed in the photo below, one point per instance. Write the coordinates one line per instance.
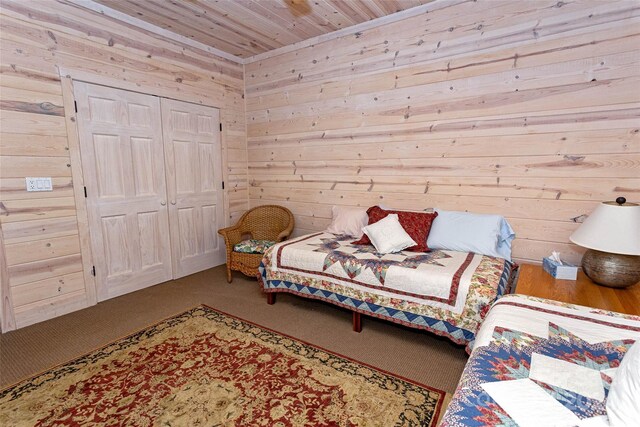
(538, 362)
(446, 292)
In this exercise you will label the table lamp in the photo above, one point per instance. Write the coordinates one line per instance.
(611, 235)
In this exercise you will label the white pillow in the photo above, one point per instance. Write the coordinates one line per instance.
(623, 402)
(348, 220)
(387, 235)
(489, 235)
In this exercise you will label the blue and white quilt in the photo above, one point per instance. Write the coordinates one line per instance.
(537, 362)
(445, 292)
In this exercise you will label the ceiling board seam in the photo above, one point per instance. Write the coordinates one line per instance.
(376, 8)
(363, 26)
(374, 23)
(223, 33)
(218, 17)
(164, 12)
(331, 7)
(270, 16)
(312, 21)
(107, 11)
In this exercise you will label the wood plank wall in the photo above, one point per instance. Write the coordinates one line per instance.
(42, 274)
(530, 109)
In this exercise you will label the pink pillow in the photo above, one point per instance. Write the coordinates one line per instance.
(348, 220)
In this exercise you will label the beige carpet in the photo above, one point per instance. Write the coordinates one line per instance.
(413, 354)
(216, 370)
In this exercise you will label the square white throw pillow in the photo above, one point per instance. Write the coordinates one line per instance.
(348, 220)
(623, 402)
(387, 235)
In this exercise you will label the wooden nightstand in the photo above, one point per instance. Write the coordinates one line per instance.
(534, 281)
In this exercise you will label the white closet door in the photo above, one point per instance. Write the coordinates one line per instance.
(194, 182)
(123, 164)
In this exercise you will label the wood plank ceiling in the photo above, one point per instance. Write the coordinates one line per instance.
(248, 27)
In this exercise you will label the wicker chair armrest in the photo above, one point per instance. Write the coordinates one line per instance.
(232, 235)
(286, 232)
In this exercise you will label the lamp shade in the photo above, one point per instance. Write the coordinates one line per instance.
(612, 227)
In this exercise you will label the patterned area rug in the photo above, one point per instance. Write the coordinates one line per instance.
(205, 368)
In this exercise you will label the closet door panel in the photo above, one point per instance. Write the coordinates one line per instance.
(187, 229)
(144, 176)
(151, 239)
(116, 245)
(109, 169)
(185, 179)
(194, 181)
(123, 162)
(210, 236)
(207, 155)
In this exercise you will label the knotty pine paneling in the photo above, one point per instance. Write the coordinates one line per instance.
(41, 247)
(529, 109)
(249, 27)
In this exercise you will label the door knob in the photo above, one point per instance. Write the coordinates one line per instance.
(173, 202)
(163, 203)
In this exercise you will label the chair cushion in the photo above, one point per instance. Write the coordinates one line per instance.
(253, 246)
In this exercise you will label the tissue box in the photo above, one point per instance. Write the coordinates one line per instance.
(560, 271)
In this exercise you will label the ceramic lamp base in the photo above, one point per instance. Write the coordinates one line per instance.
(611, 270)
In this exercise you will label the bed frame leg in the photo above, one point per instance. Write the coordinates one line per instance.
(357, 322)
(271, 298)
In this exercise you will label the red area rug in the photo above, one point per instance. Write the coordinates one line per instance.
(205, 368)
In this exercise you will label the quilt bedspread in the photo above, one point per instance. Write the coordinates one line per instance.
(538, 362)
(446, 292)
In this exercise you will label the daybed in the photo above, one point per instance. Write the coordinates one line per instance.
(445, 292)
(538, 362)
(433, 269)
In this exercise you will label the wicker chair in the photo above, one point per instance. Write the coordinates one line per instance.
(269, 222)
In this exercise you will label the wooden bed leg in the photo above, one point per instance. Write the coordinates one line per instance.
(271, 298)
(357, 322)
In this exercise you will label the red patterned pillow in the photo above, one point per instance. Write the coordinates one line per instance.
(416, 224)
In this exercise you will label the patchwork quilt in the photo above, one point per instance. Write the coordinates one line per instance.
(538, 362)
(446, 292)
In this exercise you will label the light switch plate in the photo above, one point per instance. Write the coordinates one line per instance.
(39, 183)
